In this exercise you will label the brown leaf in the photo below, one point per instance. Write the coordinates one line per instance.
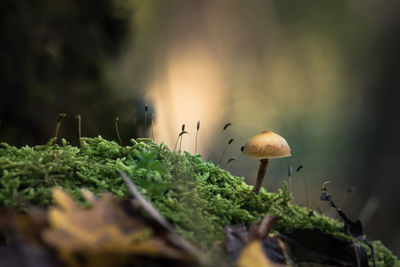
(22, 246)
(23, 254)
(23, 225)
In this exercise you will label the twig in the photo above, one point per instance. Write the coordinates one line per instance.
(155, 215)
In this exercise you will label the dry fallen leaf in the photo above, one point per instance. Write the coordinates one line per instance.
(101, 235)
(253, 255)
(22, 246)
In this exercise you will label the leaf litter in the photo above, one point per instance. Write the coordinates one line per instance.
(110, 232)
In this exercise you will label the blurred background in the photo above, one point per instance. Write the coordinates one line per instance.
(323, 74)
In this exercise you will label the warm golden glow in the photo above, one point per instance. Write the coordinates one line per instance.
(188, 88)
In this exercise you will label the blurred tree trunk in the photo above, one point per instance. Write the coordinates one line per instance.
(381, 174)
(53, 60)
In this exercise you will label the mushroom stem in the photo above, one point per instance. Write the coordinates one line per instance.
(261, 173)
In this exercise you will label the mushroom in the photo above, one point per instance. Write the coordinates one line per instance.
(264, 146)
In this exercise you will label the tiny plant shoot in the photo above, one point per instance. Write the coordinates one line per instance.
(234, 158)
(226, 147)
(197, 132)
(78, 117)
(152, 126)
(230, 160)
(290, 172)
(60, 118)
(117, 131)
(305, 186)
(217, 139)
(181, 135)
(291, 176)
(146, 109)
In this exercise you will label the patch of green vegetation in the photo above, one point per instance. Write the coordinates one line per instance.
(197, 197)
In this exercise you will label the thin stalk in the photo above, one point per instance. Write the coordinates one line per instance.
(60, 118)
(323, 188)
(216, 140)
(180, 144)
(230, 160)
(290, 171)
(78, 117)
(197, 132)
(117, 131)
(181, 135)
(307, 194)
(260, 176)
(146, 108)
(234, 158)
(177, 140)
(152, 126)
(226, 147)
(305, 186)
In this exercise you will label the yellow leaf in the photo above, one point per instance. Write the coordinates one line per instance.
(103, 234)
(254, 256)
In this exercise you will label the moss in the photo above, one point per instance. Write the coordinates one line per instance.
(197, 197)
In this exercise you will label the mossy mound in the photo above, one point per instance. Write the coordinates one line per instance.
(197, 197)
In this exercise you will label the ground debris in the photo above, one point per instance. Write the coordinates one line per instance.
(353, 229)
(254, 247)
(106, 233)
(301, 247)
(315, 246)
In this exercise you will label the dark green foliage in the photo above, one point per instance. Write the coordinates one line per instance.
(197, 197)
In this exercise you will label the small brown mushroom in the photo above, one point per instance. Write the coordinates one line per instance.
(264, 146)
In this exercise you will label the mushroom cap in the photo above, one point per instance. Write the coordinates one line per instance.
(267, 145)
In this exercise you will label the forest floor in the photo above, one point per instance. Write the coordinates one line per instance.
(103, 204)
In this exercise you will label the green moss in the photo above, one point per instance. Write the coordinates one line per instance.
(197, 197)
